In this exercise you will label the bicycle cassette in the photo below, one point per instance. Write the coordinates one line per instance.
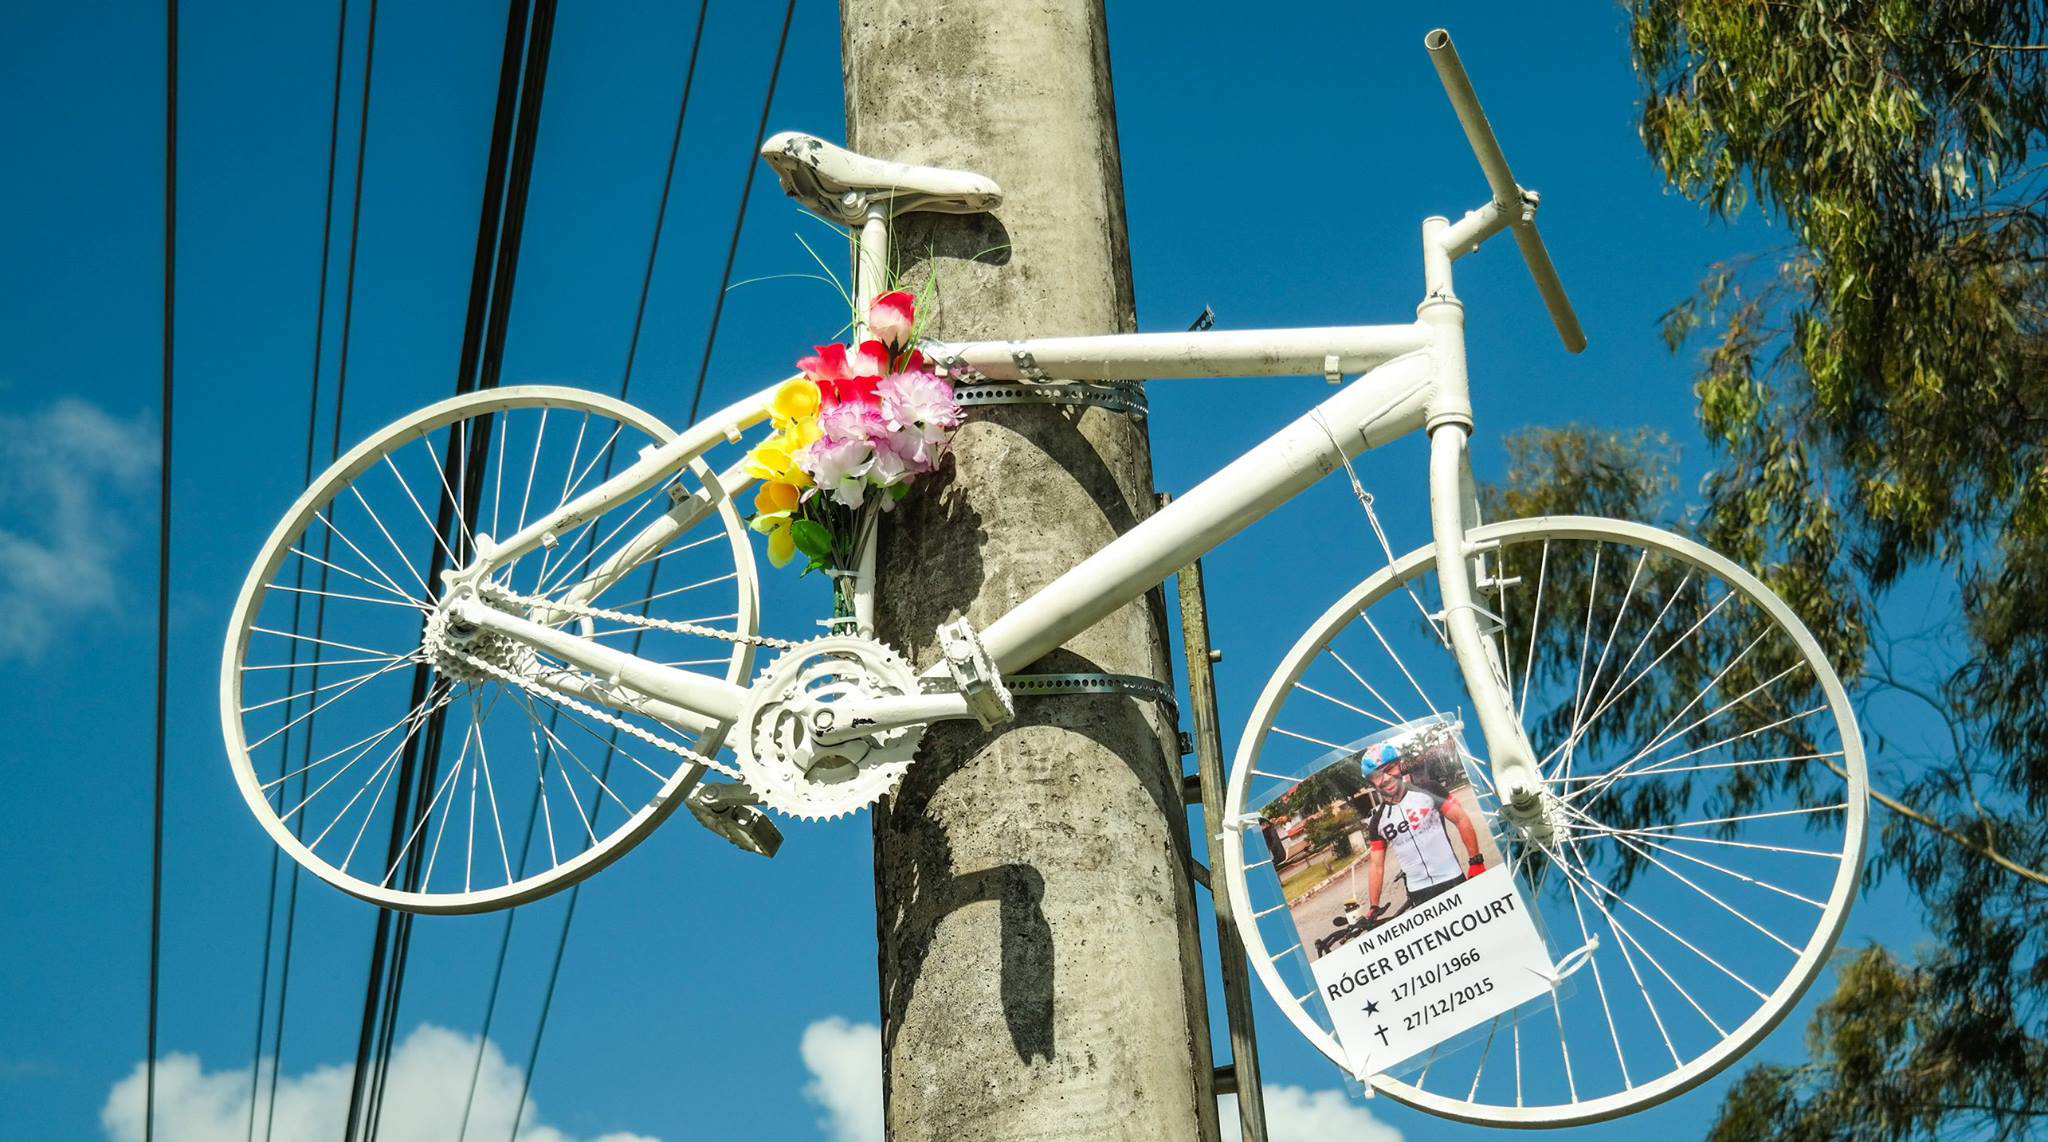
(799, 777)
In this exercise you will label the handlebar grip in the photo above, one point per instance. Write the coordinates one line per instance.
(1507, 193)
(1540, 267)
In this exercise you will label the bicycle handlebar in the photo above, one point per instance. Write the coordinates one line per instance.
(1518, 204)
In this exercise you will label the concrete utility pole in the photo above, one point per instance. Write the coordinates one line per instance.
(1039, 972)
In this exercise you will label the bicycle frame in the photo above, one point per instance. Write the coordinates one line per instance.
(1411, 377)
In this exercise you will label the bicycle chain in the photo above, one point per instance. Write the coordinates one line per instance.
(583, 610)
(606, 717)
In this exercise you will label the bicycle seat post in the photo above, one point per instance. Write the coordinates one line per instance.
(865, 194)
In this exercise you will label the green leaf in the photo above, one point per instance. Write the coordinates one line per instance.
(811, 538)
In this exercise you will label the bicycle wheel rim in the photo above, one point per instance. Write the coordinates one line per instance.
(565, 859)
(1696, 1066)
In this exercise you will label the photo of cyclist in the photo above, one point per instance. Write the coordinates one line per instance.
(1415, 824)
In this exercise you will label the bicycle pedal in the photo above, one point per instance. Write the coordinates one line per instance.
(974, 674)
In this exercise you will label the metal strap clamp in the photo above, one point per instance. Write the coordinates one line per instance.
(1130, 685)
(1118, 396)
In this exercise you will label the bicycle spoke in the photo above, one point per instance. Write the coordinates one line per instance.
(1623, 940)
(674, 591)
(1360, 679)
(439, 540)
(426, 592)
(532, 469)
(325, 702)
(1306, 738)
(307, 693)
(1625, 769)
(1341, 702)
(383, 582)
(1374, 627)
(483, 757)
(1600, 987)
(405, 604)
(441, 788)
(454, 500)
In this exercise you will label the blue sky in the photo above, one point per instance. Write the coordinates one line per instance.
(1277, 166)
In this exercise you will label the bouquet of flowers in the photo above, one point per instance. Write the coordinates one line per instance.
(849, 436)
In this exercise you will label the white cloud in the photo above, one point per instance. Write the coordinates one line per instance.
(423, 1099)
(68, 474)
(1295, 1114)
(845, 1061)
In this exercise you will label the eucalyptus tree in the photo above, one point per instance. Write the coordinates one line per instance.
(1875, 403)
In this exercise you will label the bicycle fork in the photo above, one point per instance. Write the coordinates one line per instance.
(1461, 566)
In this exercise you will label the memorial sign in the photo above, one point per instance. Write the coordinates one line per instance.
(1414, 928)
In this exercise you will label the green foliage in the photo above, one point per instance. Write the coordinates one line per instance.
(1584, 471)
(1336, 782)
(1898, 1054)
(1332, 829)
(1876, 403)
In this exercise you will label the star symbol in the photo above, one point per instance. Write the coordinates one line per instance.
(1371, 1008)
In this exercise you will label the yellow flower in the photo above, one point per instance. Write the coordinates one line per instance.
(775, 507)
(774, 461)
(796, 401)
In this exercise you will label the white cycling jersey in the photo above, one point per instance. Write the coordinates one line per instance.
(1414, 828)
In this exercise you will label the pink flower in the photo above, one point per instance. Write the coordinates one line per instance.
(894, 463)
(853, 420)
(921, 405)
(840, 467)
(891, 317)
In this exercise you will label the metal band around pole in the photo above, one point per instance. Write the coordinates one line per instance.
(1126, 397)
(1131, 685)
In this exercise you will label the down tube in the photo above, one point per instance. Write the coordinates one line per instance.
(1384, 404)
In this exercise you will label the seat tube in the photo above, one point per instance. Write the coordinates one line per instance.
(870, 274)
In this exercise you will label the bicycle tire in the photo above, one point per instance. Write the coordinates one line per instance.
(1666, 885)
(328, 641)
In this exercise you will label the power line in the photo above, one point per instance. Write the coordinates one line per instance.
(349, 294)
(284, 745)
(668, 178)
(739, 222)
(710, 342)
(499, 230)
(163, 554)
(625, 384)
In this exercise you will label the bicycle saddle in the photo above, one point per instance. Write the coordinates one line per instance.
(837, 183)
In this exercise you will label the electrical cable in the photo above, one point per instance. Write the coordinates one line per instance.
(625, 385)
(740, 221)
(341, 366)
(306, 738)
(710, 343)
(499, 232)
(163, 556)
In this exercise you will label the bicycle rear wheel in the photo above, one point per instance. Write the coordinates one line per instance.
(428, 781)
(1706, 765)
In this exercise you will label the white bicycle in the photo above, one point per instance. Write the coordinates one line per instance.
(496, 644)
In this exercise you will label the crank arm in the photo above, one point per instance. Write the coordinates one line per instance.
(836, 722)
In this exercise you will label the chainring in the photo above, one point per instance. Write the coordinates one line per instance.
(795, 775)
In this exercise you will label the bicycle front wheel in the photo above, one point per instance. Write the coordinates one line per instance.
(1700, 753)
(431, 781)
